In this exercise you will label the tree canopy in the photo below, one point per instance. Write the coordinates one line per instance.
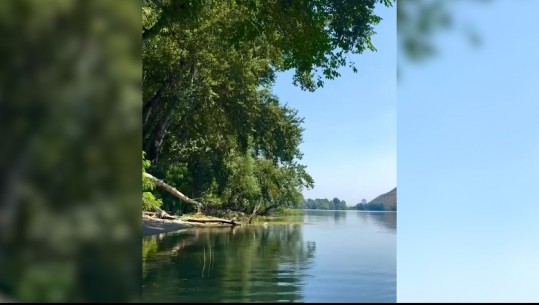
(324, 204)
(211, 124)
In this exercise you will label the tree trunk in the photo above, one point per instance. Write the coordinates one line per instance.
(216, 220)
(147, 109)
(161, 136)
(153, 143)
(173, 191)
(254, 213)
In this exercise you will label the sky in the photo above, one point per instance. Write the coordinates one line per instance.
(468, 163)
(349, 143)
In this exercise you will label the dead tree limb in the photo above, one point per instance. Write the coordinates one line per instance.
(214, 220)
(173, 191)
(254, 213)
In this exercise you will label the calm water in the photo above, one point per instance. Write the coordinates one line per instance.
(325, 256)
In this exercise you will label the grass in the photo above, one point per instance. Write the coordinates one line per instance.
(275, 218)
(288, 212)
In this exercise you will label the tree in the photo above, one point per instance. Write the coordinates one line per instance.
(362, 205)
(180, 45)
(324, 204)
(211, 125)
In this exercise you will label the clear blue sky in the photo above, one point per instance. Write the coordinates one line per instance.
(468, 163)
(350, 138)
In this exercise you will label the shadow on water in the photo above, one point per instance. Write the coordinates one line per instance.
(227, 264)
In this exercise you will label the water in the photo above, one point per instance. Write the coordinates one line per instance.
(322, 256)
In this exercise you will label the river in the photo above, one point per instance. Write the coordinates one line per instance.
(322, 256)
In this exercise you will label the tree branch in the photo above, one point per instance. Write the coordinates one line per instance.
(172, 190)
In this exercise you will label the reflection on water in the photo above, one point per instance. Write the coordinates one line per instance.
(332, 257)
(386, 219)
(325, 216)
(227, 264)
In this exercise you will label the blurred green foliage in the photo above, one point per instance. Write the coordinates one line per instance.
(70, 122)
(421, 22)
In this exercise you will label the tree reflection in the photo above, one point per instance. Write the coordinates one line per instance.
(384, 219)
(339, 216)
(227, 264)
(325, 216)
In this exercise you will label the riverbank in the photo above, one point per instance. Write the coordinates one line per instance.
(153, 225)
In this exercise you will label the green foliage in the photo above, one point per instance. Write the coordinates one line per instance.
(312, 37)
(175, 174)
(149, 201)
(324, 204)
(370, 207)
(211, 125)
(384, 202)
(147, 184)
(281, 212)
(420, 22)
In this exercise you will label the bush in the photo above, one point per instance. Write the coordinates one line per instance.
(149, 202)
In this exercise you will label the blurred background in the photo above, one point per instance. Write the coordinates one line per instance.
(424, 24)
(70, 97)
(468, 166)
(70, 105)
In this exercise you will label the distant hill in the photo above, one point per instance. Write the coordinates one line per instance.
(387, 200)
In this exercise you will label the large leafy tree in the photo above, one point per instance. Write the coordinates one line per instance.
(211, 125)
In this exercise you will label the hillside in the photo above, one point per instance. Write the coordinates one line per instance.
(387, 200)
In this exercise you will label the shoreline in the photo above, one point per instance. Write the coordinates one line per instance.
(154, 226)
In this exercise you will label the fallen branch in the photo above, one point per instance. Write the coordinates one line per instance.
(214, 220)
(172, 191)
(160, 214)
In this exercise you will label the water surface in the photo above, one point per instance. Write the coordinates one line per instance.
(322, 256)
